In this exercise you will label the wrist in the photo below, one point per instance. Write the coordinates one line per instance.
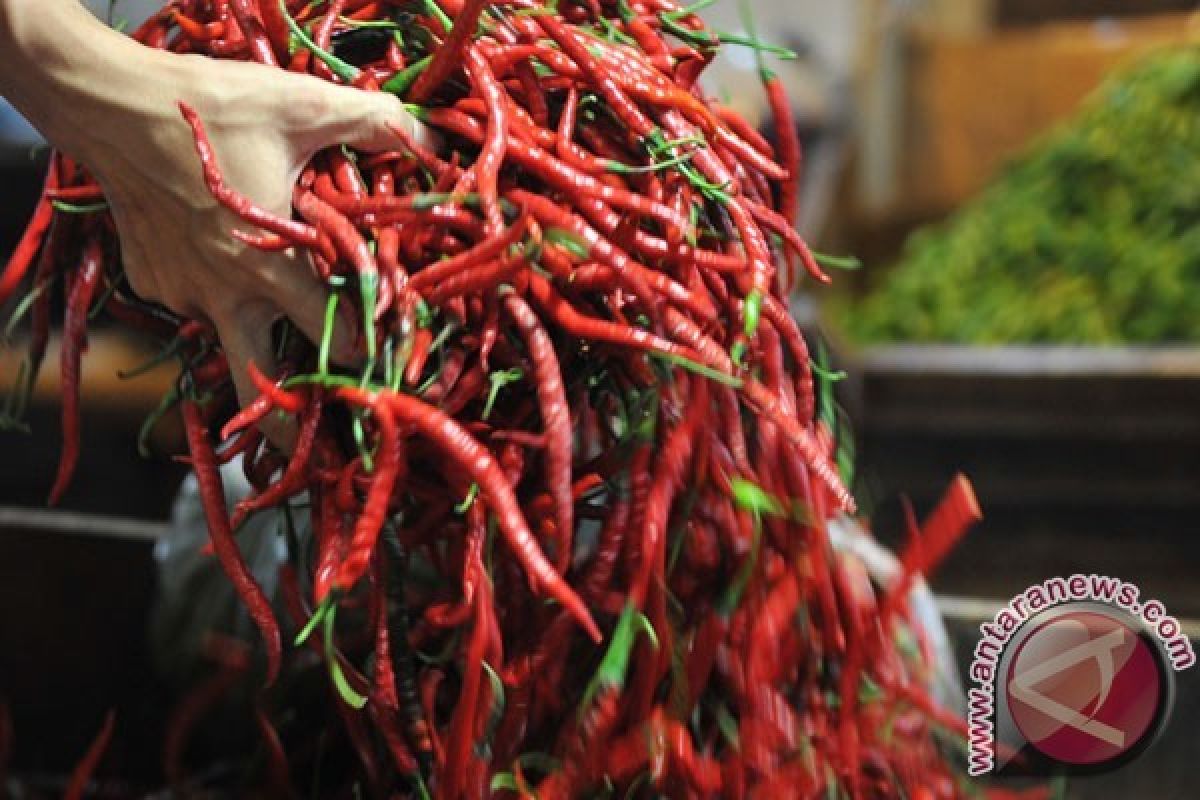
(69, 74)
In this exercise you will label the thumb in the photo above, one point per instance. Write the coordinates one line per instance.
(367, 121)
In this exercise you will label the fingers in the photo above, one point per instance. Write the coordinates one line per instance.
(246, 337)
(360, 119)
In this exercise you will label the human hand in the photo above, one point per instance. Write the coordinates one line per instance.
(176, 242)
(114, 105)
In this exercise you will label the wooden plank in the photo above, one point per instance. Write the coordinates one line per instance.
(51, 523)
(1033, 362)
(977, 101)
(108, 353)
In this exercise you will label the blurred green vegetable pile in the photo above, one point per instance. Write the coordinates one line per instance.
(1092, 237)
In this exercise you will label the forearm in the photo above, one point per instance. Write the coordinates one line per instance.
(64, 70)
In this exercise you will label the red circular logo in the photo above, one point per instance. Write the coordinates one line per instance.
(1085, 688)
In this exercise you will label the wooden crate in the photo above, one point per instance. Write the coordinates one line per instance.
(1084, 459)
(78, 591)
(1028, 12)
(978, 100)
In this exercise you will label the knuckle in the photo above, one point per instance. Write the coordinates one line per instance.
(310, 105)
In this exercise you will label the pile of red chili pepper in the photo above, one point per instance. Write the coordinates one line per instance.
(569, 518)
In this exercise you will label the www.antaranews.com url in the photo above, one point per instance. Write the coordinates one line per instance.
(981, 699)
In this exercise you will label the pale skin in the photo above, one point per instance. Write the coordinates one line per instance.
(113, 105)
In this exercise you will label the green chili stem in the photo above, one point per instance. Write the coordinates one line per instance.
(165, 354)
(568, 241)
(23, 308)
(164, 405)
(499, 380)
(327, 334)
(74, 208)
(403, 80)
(344, 689)
(472, 493)
(752, 313)
(716, 376)
(687, 11)
(317, 617)
(434, 10)
(347, 72)
(838, 262)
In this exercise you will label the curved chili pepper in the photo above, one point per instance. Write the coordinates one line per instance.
(788, 140)
(606, 85)
(212, 496)
(35, 232)
(374, 513)
(346, 238)
(449, 56)
(496, 143)
(239, 204)
(280, 398)
(275, 28)
(82, 774)
(637, 276)
(248, 416)
(198, 31)
(91, 266)
(480, 278)
(483, 469)
(556, 418)
(294, 478)
(596, 329)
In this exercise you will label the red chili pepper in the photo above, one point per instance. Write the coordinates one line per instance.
(637, 276)
(601, 78)
(278, 397)
(79, 302)
(556, 418)
(294, 478)
(483, 469)
(596, 329)
(276, 28)
(250, 415)
(450, 55)
(776, 223)
(27, 248)
(954, 515)
(473, 695)
(671, 463)
(331, 541)
(387, 469)
(496, 143)
(349, 243)
(82, 774)
(559, 173)
(482, 277)
(322, 35)
(239, 204)
(788, 140)
(212, 495)
(198, 31)
(345, 175)
(84, 193)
